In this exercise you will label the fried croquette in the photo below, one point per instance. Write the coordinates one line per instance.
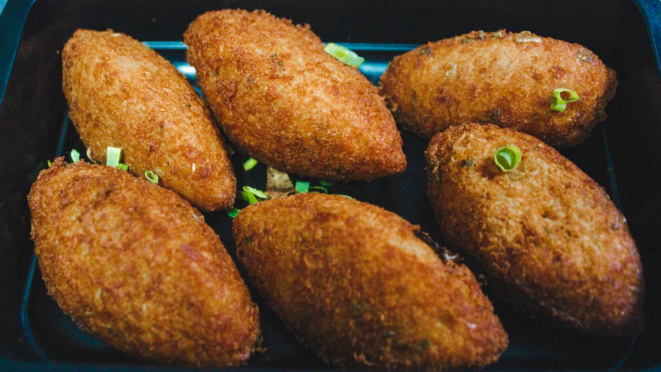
(502, 78)
(123, 94)
(289, 104)
(137, 266)
(357, 285)
(550, 238)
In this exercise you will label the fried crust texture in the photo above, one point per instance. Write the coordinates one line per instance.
(501, 78)
(289, 104)
(357, 285)
(123, 94)
(137, 266)
(547, 235)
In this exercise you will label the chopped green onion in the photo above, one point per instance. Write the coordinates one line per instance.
(346, 196)
(302, 187)
(560, 104)
(49, 163)
(249, 197)
(151, 177)
(249, 164)
(318, 189)
(75, 156)
(252, 195)
(507, 158)
(113, 156)
(233, 212)
(326, 183)
(344, 54)
(258, 193)
(122, 166)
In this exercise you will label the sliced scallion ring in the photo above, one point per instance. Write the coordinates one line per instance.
(151, 177)
(75, 156)
(49, 163)
(233, 212)
(507, 158)
(122, 166)
(113, 156)
(326, 183)
(302, 187)
(344, 54)
(249, 164)
(559, 103)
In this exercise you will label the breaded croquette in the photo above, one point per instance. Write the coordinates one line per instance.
(357, 285)
(289, 104)
(550, 238)
(136, 265)
(123, 94)
(502, 78)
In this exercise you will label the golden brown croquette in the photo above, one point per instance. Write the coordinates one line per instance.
(548, 235)
(502, 78)
(358, 286)
(289, 104)
(136, 265)
(123, 94)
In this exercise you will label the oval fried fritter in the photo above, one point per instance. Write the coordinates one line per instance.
(547, 234)
(289, 104)
(123, 94)
(137, 266)
(502, 78)
(354, 283)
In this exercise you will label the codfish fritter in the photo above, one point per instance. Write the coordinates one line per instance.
(137, 266)
(357, 285)
(547, 234)
(289, 104)
(501, 78)
(123, 94)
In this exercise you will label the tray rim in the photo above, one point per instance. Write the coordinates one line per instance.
(15, 12)
(12, 22)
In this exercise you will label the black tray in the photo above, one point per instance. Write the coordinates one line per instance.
(36, 335)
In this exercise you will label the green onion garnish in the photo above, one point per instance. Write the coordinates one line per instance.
(113, 156)
(343, 54)
(253, 195)
(249, 164)
(302, 187)
(346, 196)
(507, 158)
(122, 166)
(75, 156)
(560, 104)
(151, 177)
(318, 189)
(233, 212)
(249, 197)
(326, 183)
(256, 192)
(49, 163)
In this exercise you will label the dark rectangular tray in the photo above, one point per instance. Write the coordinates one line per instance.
(622, 155)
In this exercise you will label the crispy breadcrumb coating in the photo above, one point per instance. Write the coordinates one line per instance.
(123, 94)
(137, 266)
(547, 234)
(502, 78)
(357, 285)
(289, 104)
